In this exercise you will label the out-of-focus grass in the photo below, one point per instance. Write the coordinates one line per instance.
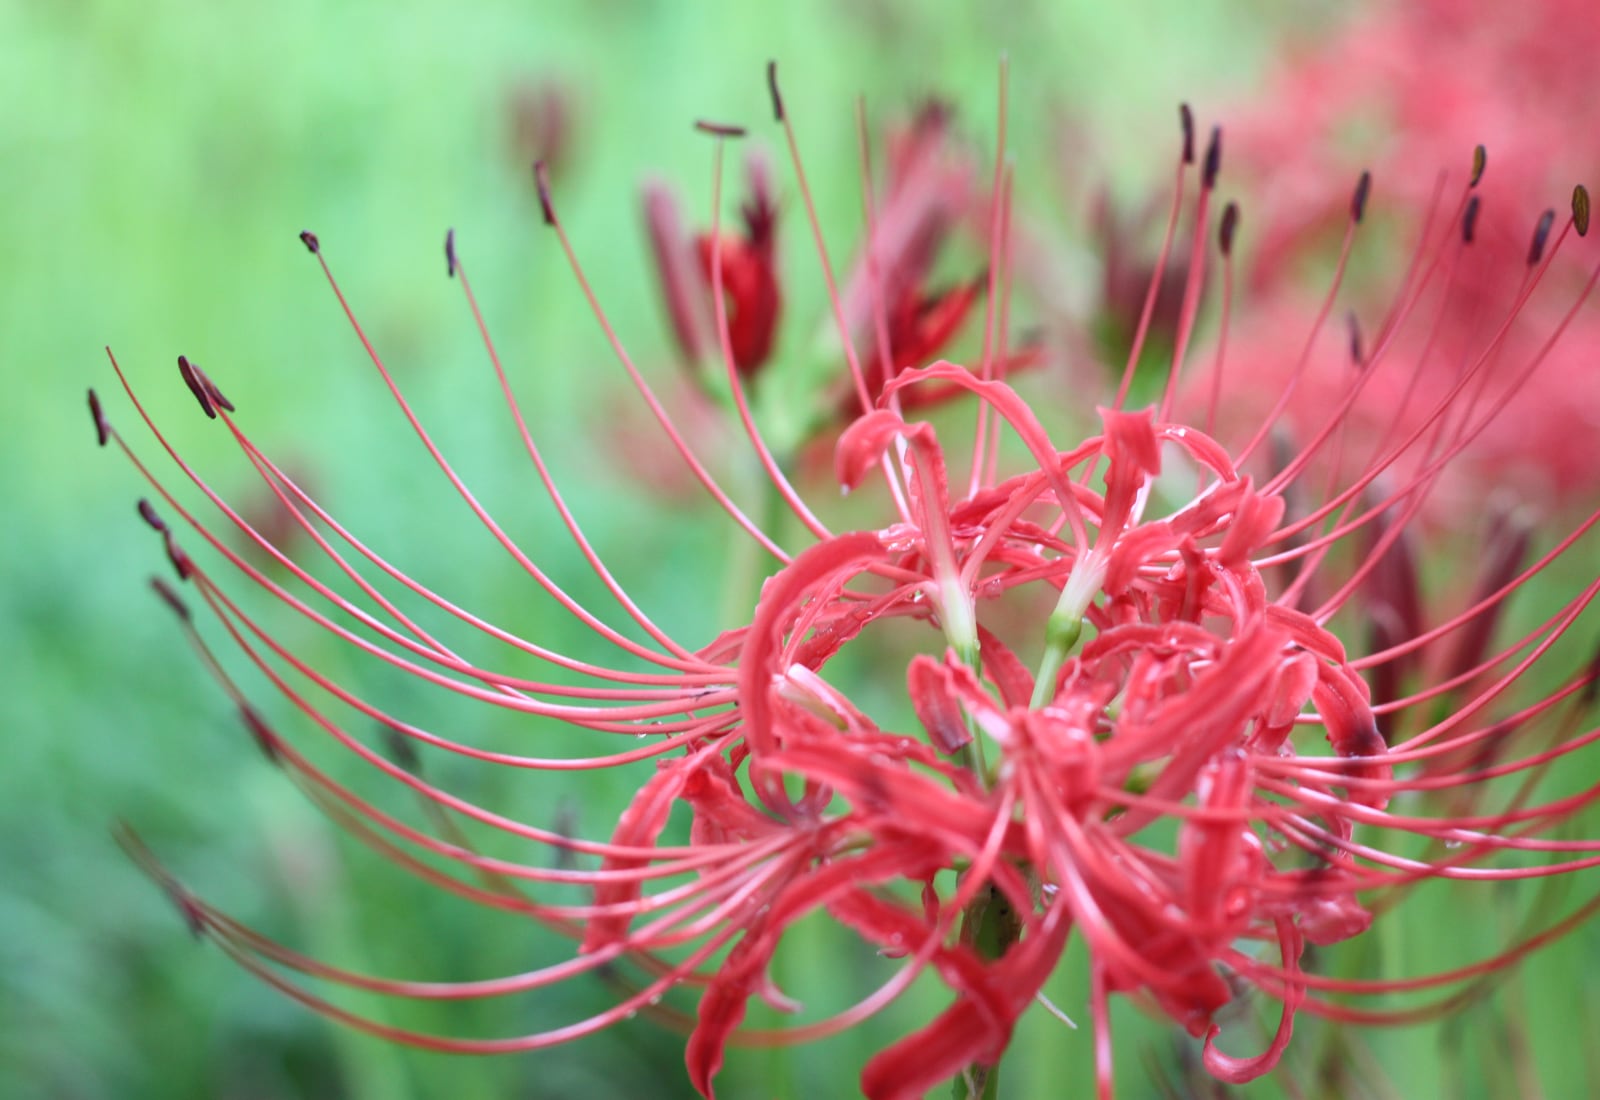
(160, 159)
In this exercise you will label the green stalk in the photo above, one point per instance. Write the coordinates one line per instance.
(992, 927)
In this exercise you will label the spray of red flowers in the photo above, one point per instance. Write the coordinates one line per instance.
(1169, 752)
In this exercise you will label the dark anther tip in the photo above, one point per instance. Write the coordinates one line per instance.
(265, 739)
(1541, 236)
(772, 89)
(147, 512)
(450, 253)
(1591, 687)
(1358, 201)
(1480, 161)
(132, 844)
(1213, 165)
(216, 395)
(1229, 228)
(193, 918)
(1357, 355)
(719, 129)
(188, 908)
(1580, 209)
(309, 239)
(541, 179)
(401, 749)
(1186, 120)
(170, 597)
(211, 399)
(102, 430)
(1469, 220)
(192, 380)
(182, 564)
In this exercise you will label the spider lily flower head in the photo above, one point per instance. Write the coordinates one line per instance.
(1177, 757)
(744, 266)
(1410, 87)
(1466, 354)
(890, 308)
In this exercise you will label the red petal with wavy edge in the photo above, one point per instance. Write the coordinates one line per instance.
(936, 698)
(1237, 1071)
(1210, 851)
(890, 926)
(919, 326)
(750, 295)
(1130, 439)
(920, 1061)
(1201, 721)
(922, 802)
(1006, 669)
(1296, 681)
(863, 443)
(641, 823)
(1010, 405)
(1132, 550)
(1253, 523)
(1134, 457)
(960, 1036)
(832, 562)
(1341, 698)
(722, 1008)
(721, 810)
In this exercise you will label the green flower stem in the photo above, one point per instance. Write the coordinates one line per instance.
(1061, 634)
(992, 926)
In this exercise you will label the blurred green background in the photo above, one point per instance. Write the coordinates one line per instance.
(160, 159)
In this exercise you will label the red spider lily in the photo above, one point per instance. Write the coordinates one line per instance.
(744, 268)
(895, 318)
(1187, 596)
(1422, 82)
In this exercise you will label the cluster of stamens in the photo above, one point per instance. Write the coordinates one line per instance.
(1169, 752)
